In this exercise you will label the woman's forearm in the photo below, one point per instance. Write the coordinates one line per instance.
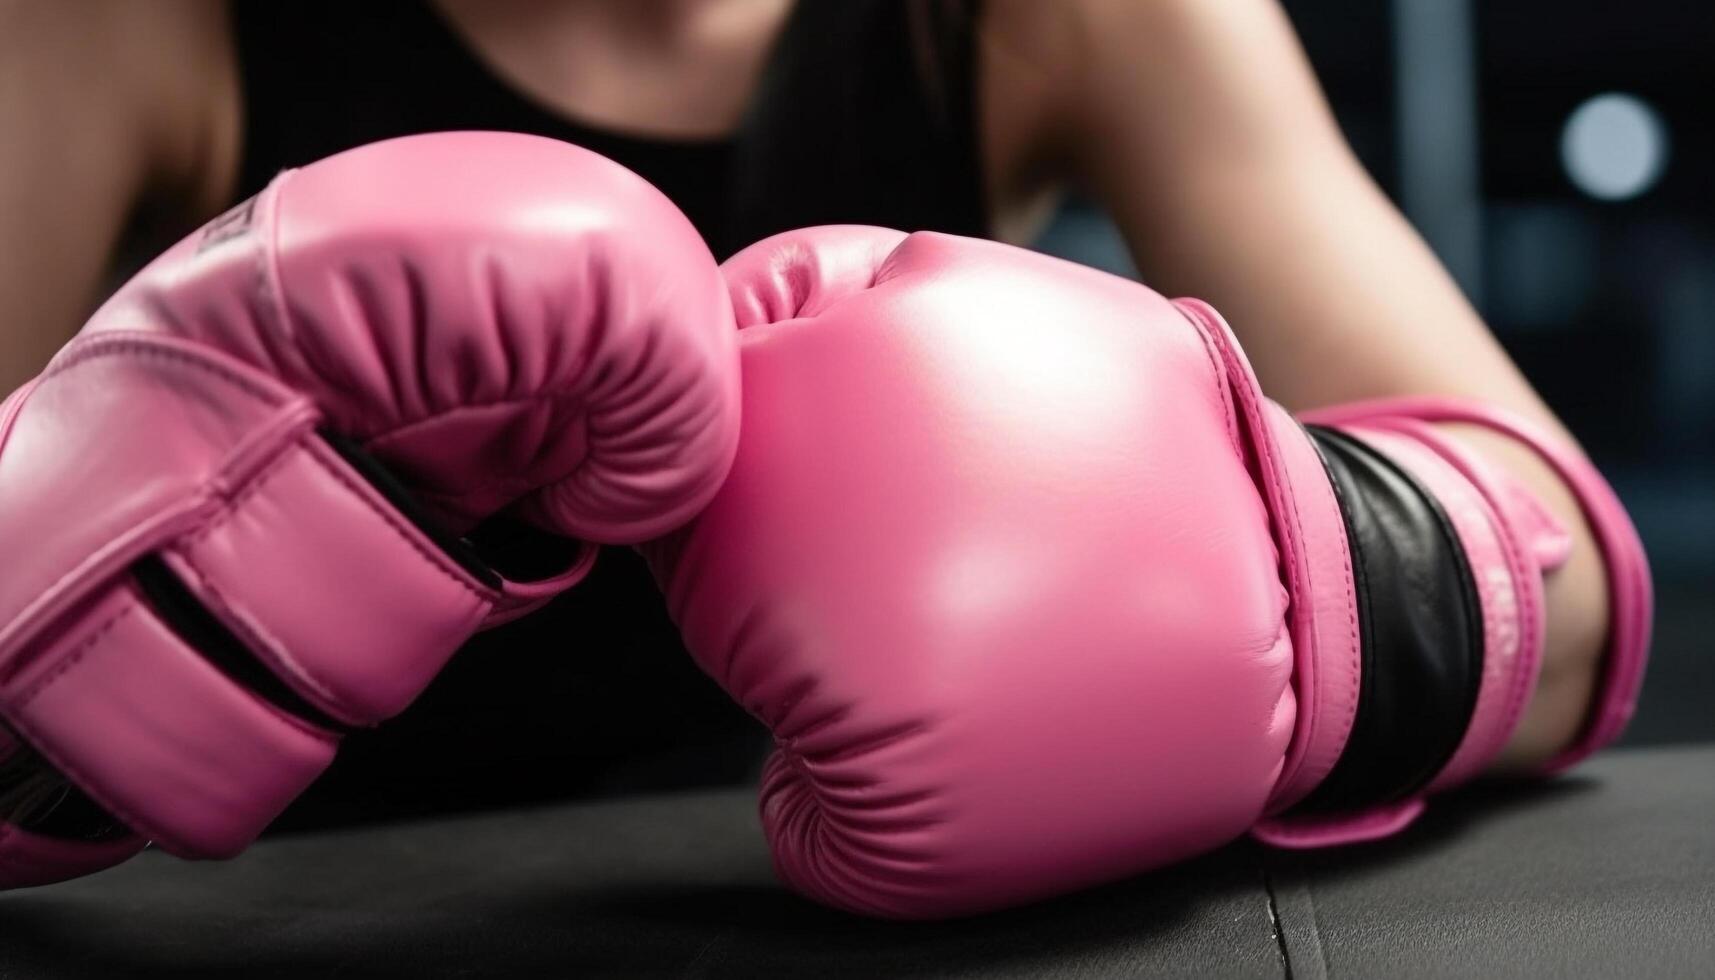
(1231, 182)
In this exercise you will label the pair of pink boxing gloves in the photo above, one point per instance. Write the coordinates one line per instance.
(1034, 587)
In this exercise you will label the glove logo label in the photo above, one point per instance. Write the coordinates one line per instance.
(233, 223)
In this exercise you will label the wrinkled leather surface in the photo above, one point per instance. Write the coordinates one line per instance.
(1036, 590)
(500, 320)
(991, 565)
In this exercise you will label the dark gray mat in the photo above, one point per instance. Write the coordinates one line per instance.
(1608, 873)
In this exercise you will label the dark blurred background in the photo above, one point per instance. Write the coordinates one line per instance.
(1558, 157)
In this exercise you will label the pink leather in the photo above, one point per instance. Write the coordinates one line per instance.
(1510, 548)
(503, 321)
(1631, 596)
(1035, 588)
(1510, 542)
(1315, 567)
(1013, 634)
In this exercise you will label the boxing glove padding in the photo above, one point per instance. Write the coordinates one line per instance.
(245, 494)
(993, 610)
(1036, 590)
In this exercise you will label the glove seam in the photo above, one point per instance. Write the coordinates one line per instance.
(271, 283)
(404, 531)
(285, 663)
(256, 484)
(1221, 368)
(276, 659)
(1349, 606)
(70, 660)
(37, 687)
(76, 773)
(1288, 502)
(120, 343)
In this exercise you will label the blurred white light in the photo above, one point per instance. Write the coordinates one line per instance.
(1614, 146)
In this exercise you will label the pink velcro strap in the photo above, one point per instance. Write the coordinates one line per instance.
(1504, 552)
(1508, 587)
(341, 598)
(1630, 592)
(346, 600)
(136, 447)
(1510, 541)
(157, 736)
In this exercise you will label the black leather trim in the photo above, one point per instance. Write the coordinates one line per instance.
(1420, 628)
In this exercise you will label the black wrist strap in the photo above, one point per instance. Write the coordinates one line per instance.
(1420, 630)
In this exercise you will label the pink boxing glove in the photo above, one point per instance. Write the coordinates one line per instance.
(236, 505)
(1037, 591)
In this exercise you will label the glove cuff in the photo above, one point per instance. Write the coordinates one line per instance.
(1509, 541)
(1316, 567)
(1630, 591)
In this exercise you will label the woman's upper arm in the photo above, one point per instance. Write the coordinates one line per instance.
(101, 111)
(1200, 126)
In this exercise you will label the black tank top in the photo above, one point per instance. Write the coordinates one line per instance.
(864, 115)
